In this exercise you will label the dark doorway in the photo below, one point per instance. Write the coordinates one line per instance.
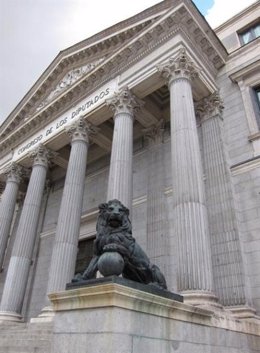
(85, 254)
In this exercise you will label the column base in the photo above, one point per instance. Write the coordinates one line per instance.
(10, 316)
(202, 299)
(242, 312)
(47, 315)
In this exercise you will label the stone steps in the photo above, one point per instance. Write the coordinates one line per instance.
(25, 338)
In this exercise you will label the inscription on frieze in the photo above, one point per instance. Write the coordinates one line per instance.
(66, 119)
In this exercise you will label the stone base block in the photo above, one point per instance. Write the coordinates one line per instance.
(116, 318)
(46, 315)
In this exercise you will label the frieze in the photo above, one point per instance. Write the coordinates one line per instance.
(66, 119)
(121, 60)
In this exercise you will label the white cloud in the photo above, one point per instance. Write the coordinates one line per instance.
(33, 32)
(222, 10)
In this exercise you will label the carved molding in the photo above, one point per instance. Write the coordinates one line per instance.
(125, 102)
(154, 133)
(179, 67)
(154, 36)
(15, 173)
(81, 130)
(42, 155)
(68, 80)
(209, 107)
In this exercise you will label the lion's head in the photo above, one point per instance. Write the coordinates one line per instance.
(113, 215)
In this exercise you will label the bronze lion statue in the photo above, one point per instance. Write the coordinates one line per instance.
(114, 234)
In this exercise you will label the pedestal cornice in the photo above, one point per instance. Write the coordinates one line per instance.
(119, 296)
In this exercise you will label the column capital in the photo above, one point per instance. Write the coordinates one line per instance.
(209, 107)
(14, 173)
(124, 102)
(154, 133)
(81, 130)
(42, 155)
(179, 67)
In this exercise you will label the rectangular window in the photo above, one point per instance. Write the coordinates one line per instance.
(250, 33)
(256, 91)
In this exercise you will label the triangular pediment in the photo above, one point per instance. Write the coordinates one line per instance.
(78, 70)
(78, 57)
(69, 79)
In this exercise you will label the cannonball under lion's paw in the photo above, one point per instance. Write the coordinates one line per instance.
(110, 264)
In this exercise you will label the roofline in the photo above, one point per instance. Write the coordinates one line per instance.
(88, 42)
(239, 14)
(152, 11)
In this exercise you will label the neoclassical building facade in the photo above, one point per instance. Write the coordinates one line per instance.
(161, 113)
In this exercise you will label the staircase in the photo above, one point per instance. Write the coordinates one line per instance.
(25, 337)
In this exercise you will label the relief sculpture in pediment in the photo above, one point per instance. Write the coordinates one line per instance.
(68, 80)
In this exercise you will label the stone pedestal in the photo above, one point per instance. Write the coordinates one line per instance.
(119, 318)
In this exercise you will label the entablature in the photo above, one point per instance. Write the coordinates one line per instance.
(182, 18)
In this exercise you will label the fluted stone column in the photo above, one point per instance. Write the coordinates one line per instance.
(120, 182)
(157, 222)
(228, 265)
(19, 266)
(7, 206)
(67, 233)
(191, 223)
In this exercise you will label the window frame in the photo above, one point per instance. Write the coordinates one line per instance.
(250, 29)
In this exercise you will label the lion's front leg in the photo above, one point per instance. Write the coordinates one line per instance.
(113, 247)
(92, 269)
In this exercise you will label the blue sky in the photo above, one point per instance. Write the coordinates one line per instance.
(204, 5)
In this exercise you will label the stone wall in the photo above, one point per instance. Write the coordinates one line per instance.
(245, 183)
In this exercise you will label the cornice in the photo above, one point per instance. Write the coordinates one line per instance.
(177, 19)
(245, 166)
(65, 61)
(113, 36)
(237, 17)
(248, 67)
